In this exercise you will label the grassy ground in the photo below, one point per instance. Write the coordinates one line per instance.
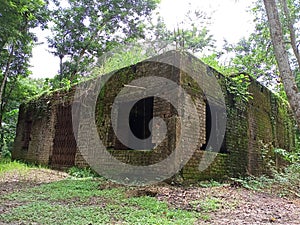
(85, 201)
(9, 166)
(81, 202)
(34, 195)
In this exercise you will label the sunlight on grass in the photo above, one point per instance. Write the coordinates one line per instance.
(49, 213)
(82, 201)
(7, 165)
(79, 189)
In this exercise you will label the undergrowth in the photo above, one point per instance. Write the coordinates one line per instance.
(284, 182)
(82, 172)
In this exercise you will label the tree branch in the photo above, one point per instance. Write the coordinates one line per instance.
(291, 30)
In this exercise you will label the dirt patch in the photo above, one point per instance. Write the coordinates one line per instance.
(139, 192)
(109, 185)
(13, 181)
(235, 205)
(228, 204)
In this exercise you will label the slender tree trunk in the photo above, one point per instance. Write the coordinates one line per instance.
(6, 72)
(61, 56)
(2, 89)
(282, 59)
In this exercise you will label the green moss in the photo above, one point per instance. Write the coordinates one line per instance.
(100, 106)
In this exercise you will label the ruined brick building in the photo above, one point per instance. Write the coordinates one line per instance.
(45, 133)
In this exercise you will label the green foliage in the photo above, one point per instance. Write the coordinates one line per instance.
(285, 181)
(119, 58)
(18, 16)
(210, 204)
(298, 79)
(21, 90)
(17, 20)
(255, 55)
(237, 83)
(157, 213)
(291, 157)
(84, 30)
(210, 183)
(81, 172)
(16, 37)
(63, 190)
(213, 61)
(254, 183)
(191, 34)
(48, 213)
(55, 83)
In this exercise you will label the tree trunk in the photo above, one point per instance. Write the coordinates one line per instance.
(292, 32)
(282, 59)
(2, 89)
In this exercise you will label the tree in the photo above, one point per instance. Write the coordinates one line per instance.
(254, 55)
(20, 90)
(191, 34)
(16, 42)
(85, 29)
(282, 56)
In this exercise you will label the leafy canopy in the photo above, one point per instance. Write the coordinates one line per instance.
(85, 29)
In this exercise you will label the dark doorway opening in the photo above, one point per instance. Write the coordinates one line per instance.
(139, 118)
(212, 130)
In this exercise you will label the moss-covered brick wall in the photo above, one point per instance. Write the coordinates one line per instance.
(44, 130)
(253, 129)
(161, 108)
(33, 138)
(270, 126)
(234, 161)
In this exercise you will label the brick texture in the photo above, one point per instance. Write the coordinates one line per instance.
(253, 128)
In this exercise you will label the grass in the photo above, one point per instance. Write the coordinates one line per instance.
(210, 184)
(13, 168)
(85, 198)
(17, 171)
(208, 205)
(8, 166)
(68, 189)
(82, 201)
(81, 172)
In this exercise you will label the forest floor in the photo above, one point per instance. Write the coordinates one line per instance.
(44, 196)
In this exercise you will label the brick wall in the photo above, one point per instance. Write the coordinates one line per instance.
(263, 122)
